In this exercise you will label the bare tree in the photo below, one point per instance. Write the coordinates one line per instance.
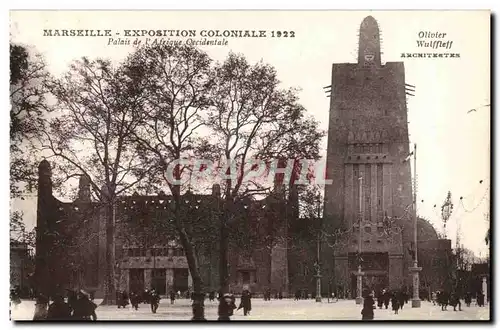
(252, 118)
(177, 82)
(28, 76)
(98, 110)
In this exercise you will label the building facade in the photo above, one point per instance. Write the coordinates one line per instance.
(71, 246)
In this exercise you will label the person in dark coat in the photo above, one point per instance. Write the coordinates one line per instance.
(380, 299)
(72, 298)
(124, 299)
(455, 301)
(84, 308)
(226, 307)
(154, 300)
(135, 299)
(15, 299)
(118, 299)
(387, 298)
(401, 297)
(246, 302)
(368, 307)
(395, 302)
(480, 299)
(172, 297)
(444, 297)
(41, 305)
(468, 299)
(145, 296)
(59, 310)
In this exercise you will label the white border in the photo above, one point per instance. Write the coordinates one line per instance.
(190, 5)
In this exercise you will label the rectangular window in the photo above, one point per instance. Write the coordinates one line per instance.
(355, 184)
(380, 191)
(367, 181)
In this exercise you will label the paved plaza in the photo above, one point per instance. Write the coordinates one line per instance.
(285, 309)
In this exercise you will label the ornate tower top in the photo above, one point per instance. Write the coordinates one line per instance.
(369, 42)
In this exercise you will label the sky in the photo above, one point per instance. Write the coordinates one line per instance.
(453, 143)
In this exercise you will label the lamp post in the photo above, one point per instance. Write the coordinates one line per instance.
(359, 274)
(415, 302)
(318, 267)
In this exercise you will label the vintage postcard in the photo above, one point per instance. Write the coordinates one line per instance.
(250, 165)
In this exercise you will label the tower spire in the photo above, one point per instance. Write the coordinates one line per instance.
(369, 42)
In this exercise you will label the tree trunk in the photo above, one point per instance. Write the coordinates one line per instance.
(198, 305)
(109, 286)
(198, 293)
(223, 258)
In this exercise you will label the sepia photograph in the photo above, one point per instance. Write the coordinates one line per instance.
(250, 165)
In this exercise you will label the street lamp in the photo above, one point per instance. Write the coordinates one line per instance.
(415, 302)
(359, 274)
(317, 265)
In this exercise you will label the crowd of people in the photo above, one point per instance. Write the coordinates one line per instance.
(79, 305)
(399, 298)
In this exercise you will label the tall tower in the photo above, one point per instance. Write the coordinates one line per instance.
(368, 138)
(44, 224)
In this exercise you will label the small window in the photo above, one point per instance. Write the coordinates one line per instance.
(368, 229)
(379, 241)
(367, 241)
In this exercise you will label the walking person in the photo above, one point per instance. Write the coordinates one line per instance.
(387, 298)
(395, 303)
(368, 307)
(455, 301)
(227, 307)
(135, 299)
(401, 297)
(59, 310)
(246, 302)
(172, 297)
(380, 299)
(154, 300)
(84, 309)
(468, 299)
(41, 305)
(434, 298)
(444, 299)
(14, 298)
